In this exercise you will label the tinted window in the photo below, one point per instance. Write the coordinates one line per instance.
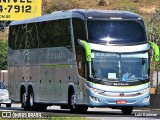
(55, 34)
(41, 35)
(124, 32)
(79, 33)
(31, 35)
(17, 35)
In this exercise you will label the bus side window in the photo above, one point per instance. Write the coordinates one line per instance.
(56, 34)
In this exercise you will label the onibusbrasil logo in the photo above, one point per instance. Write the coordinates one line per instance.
(21, 115)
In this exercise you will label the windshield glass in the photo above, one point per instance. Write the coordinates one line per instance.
(116, 31)
(120, 67)
(134, 66)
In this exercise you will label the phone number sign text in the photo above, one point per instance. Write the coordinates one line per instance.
(20, 9)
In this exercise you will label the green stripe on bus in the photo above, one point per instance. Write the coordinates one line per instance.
(87, 49)
(50, 66)
(156, 51)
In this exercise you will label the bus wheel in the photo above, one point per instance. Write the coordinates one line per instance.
(127, 110)
(24, 100)
(72, 102)
(31, 100)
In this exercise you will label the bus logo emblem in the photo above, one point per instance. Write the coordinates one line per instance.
(121, 94)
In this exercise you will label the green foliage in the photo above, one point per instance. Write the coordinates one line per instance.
(3, 54)
(157, 11)
(101, 2)
(152, 23)
(131, 9)
(60, 5)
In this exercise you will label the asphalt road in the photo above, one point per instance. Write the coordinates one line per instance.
(92, 113)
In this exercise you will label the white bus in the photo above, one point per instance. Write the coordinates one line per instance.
(78, 59)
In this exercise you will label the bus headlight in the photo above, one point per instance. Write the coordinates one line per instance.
(98, 91)
(146, 99)
(7, 95)
(146, 90)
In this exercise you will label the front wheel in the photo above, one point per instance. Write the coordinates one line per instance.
(73, 104)
(127, 110)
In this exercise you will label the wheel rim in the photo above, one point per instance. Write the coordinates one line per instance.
(24, 99)
(31, 99)
(73, 101)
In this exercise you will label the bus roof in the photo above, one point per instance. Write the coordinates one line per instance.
(81, 13)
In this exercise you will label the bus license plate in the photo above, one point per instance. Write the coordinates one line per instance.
(121, 101)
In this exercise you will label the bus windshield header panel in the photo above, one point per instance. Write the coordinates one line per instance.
(116, 31)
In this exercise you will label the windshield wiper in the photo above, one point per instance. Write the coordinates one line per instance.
(142, 80)
(96, 79)
(108, 80)
(137, 79)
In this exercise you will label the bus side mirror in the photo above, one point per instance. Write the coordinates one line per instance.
(156, 51)
(87, 49)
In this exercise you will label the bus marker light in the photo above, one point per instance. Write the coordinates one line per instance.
(121, 101)
(94, 99)
(146, 99)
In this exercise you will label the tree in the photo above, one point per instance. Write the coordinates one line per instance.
(157, 11)
(3, 54)
(60, 5)
(131, 9)
(101, 2)
(44, 6)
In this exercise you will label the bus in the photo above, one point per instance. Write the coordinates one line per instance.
(80, 58)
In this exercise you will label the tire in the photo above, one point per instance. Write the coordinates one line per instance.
(8, 105)
(34, 106)
(73, 106)
(127, 110)
(24, 100)
(31, 104)
(72, 102)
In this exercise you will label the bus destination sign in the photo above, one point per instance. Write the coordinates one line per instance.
(20, 9)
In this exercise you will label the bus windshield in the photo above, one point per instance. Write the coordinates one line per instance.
(120, 67)
(116, 31)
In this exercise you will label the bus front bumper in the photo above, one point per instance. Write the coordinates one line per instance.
(101, 100)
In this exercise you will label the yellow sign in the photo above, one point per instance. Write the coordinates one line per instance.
(19, 9)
